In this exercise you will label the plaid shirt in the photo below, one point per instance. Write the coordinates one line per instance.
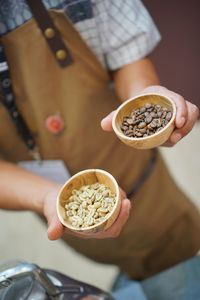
(117, 31)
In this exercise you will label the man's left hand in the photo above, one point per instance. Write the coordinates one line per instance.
(186, 117)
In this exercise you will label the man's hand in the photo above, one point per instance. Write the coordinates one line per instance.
(56, 229)
(186, 117)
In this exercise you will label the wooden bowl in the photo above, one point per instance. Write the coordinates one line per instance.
(88, 177)
(155, 139)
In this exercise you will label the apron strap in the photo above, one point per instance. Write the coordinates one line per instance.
(63, 57)
(8, 101)
(50, 33)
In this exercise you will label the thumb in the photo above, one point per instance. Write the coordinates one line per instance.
(106, 123)
(125, 211)
(55, 229)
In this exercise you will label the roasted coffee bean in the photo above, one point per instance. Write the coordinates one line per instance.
(137, 112)
(169, 116)
(138, 134)
(159, 107)
(146, 120)
(133, 116)
(136, 122)
(147, 105)
(159, 128)
(165, 109)
(164, 114)
(142, 125)
(153, 124)
(124, 123)
(141, 117)
(143, 130)
(150, 109)
(130, 121)
(158, 122)
(129, 132)
(124, 128)
(142, 109)
(153, 114)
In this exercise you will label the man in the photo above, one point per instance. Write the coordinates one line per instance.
(61, 92)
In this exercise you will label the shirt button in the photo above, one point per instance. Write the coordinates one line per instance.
(54, 124)
(49, 33)
(61, 54)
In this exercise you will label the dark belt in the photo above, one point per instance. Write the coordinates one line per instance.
(145, 174)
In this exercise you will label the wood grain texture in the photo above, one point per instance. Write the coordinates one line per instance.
(88, 177)
(148, 142)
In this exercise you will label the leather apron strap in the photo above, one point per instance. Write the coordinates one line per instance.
(50, 33)
(63, 57)
(9, 103)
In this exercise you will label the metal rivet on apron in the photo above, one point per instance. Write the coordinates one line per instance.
(61, 54)
(6, 82)
(49, 32)
(15, 114)
(54, 124)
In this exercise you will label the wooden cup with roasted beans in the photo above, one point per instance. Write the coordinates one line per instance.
(145, 121)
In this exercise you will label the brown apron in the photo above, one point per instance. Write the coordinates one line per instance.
(164, 227)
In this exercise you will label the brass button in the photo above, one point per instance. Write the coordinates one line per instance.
(49, 32)
(61, 54)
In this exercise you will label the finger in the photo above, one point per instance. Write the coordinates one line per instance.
(55, 229)
(178, 134)
(116, 228)
(106, 123)
(122, 193)
(182, 113)
(124, 213)
(173, 139)
(193, 113)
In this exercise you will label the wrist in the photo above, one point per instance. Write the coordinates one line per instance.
(22, 189)
(50, 189)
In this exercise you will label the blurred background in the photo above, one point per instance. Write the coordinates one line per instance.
(177, 58)
(23, 236)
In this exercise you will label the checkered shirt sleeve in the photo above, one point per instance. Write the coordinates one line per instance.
(126, 30)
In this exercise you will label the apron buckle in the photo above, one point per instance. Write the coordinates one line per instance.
(36, 154)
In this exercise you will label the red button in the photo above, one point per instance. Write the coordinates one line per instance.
(54, 124)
